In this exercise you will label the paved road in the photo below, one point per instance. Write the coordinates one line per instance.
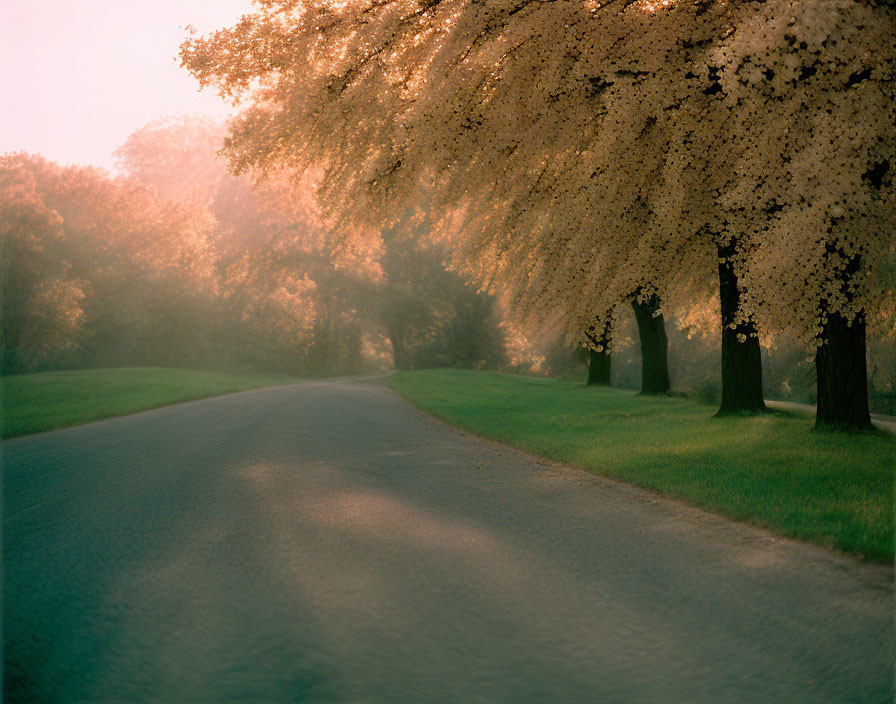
(327, 543)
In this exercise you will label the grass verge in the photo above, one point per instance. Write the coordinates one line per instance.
(33, 403)
(771, 470)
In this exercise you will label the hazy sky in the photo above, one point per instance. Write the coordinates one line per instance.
(78, 76)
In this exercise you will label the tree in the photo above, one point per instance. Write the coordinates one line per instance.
(431, 316)
(519, 207)
(177, 156)
(299, 294)
(815, 184)
(41, 304)
(124, 273)
(280, 301)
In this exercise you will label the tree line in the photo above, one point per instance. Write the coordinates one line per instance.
(178, 263)
(585, 157)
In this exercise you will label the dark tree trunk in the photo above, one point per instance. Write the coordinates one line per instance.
(399, 351)
(842, 376)
(599, 362)
(654, 346)
(599, 367)
(741, 358)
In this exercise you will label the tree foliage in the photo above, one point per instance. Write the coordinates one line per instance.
(577, 152)
(40, 302)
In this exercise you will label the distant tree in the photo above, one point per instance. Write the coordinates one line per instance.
(177, 156)
(432, 318)
(129, 274)
(323, 296)
(262, 244)
(40, 304)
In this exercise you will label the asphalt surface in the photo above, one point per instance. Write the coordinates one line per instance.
(328, 543)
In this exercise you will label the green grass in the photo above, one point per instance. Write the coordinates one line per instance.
(771, 470)
(33, 403)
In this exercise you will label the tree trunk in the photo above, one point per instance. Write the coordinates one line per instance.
(654, 346)
(599, 368)
(842, 376)
(395, 334)
(741, 358)
(599, 362)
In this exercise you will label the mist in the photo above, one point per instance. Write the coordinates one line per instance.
(177, 262)
(410, 351)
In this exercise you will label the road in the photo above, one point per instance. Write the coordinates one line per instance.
(325, 542)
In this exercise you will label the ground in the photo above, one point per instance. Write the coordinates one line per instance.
(326, 542)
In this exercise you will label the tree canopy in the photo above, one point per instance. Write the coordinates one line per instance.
(583, 154)
(580, 151)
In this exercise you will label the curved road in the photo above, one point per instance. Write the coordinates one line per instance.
(327, 543)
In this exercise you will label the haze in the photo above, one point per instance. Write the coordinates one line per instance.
(79, 77)
(491, 351)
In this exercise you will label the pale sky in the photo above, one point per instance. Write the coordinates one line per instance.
(78, 76)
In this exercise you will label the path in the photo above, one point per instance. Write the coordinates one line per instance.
(327, 543)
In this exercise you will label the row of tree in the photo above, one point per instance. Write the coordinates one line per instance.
(587, 156)
(178, 263)
(93, 294)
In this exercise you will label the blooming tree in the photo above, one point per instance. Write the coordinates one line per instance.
(584, 154)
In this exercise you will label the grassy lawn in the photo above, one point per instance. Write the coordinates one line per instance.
(771, 470)
(33, 403)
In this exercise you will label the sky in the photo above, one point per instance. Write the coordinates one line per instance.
(78, 76)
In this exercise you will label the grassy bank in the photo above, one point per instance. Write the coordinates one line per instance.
(770, 470)
(33, 403)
